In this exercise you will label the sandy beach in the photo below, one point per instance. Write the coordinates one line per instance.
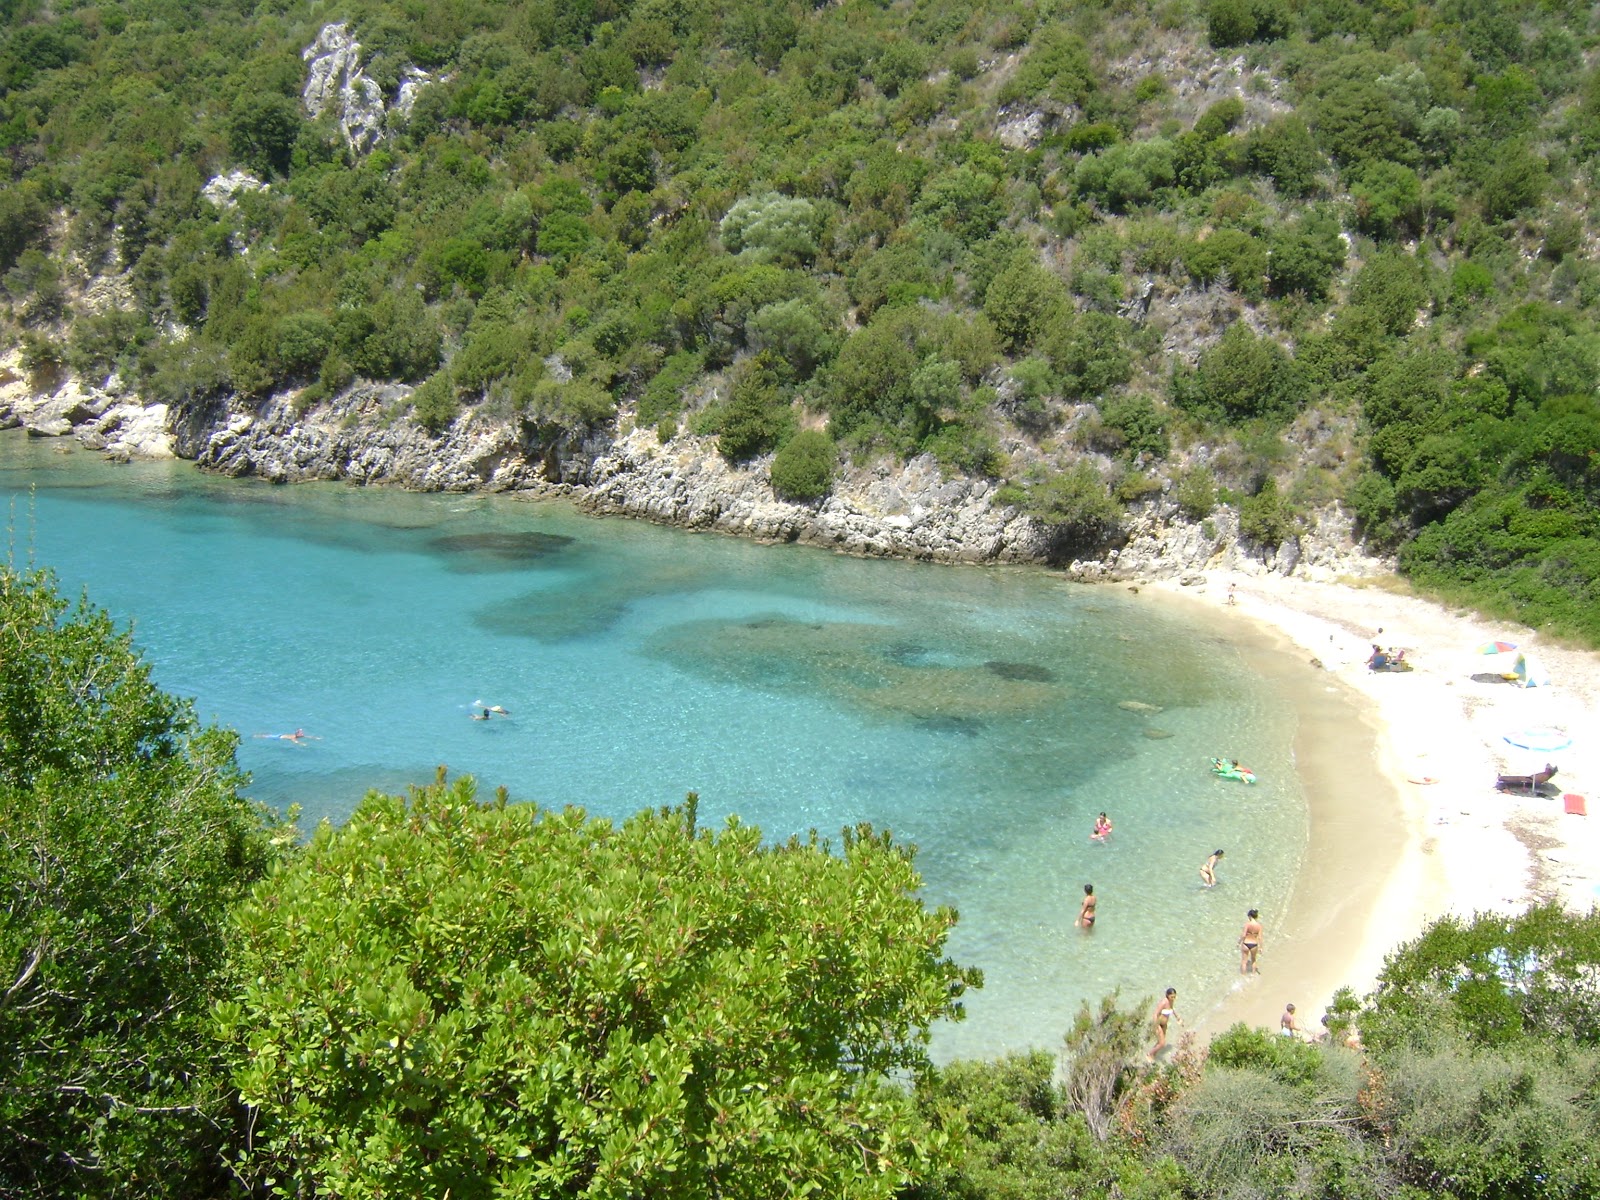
(1399, 770)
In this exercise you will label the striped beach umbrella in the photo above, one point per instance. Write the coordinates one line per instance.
(1497, 648)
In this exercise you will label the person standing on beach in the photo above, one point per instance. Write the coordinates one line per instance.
(1208, 869)
(1289, 1024)
(1165, 1011)
(1085, 919)
(1250, 943)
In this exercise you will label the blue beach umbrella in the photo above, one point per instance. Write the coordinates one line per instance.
(1544, 739)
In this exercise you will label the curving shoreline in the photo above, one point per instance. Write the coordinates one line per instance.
(1386, 855)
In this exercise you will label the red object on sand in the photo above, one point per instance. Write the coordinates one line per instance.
(1575, 804)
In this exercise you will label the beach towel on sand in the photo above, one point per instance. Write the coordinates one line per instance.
(1575, 804)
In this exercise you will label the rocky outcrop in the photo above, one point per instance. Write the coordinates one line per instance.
(223, 190)
(335, 81)
(363, 438)
(909, 511)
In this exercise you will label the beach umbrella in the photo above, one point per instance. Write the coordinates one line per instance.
(1543, 739)
(1497, 648)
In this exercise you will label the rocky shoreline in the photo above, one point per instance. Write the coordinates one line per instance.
(909, 510)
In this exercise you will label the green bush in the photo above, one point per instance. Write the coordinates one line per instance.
(1305, 256)
(1241, 378)
(1076, 501)
(803, 467)
(757, 414)
(453, 996)
(434, 405)
(1142, 425)
(1196, 493)
(1265, 518)
(124, 843)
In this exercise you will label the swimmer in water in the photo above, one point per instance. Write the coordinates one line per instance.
(1208, 870)
(1102, 827)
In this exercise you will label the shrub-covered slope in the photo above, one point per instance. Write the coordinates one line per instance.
(1274, 253)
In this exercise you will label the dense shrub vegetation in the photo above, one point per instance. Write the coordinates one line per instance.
(1356, 230)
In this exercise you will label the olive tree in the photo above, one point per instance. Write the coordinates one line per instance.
(481, 1000)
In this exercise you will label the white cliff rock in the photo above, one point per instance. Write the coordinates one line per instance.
(223, 190)
(334, 80)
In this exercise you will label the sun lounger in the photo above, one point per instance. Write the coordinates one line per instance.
(1526, 783)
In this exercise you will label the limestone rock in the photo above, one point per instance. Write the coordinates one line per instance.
(223, 190)
(1140, 707)
(334, 80)
(412, 81)
(1020, 130)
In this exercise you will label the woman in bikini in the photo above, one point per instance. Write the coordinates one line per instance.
(1208, 872)
(1250, 943)
(1164, 1012)
(1102, 827)
(1085, 919)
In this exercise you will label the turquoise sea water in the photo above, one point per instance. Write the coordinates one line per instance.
(975, 712)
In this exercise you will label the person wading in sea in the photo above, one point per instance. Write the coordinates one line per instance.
(1085, 919)
(1250, 943)
(1165, 1011)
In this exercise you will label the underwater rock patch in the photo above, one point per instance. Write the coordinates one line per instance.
(1019, 671)
(482, 552)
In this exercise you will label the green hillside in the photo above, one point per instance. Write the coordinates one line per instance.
(1269, 252)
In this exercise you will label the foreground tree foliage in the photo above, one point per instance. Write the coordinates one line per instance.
(448, 997)
(123, 845)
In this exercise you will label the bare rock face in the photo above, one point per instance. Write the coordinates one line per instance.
(909, 511)
(1021, 130)
(357, 438)
(412, 81)
(223, 190)
(334, 80)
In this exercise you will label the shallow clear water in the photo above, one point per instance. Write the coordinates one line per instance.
(973, 712)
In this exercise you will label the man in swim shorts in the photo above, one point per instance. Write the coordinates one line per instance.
(1250, 943)
(1086, 910)
(1289, 1024)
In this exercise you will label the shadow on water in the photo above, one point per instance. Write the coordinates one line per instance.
(482, 553)
(1030, 672)
(551, 617)
(870, 668)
